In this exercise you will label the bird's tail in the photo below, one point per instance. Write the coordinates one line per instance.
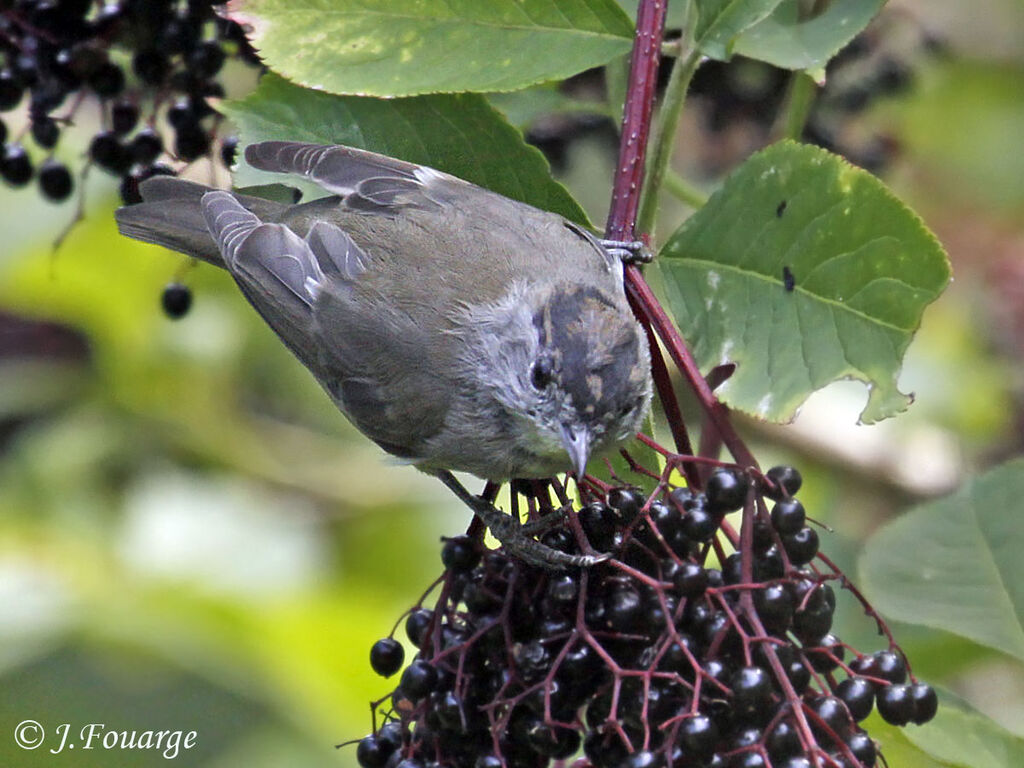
(170, 215)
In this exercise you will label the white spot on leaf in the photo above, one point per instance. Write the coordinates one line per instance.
(723, 356)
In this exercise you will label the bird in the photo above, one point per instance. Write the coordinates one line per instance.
(460, 330)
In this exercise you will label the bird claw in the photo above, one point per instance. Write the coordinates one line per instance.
(516, 538)
(629, 251)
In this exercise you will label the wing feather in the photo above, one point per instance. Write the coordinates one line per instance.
(369, 183)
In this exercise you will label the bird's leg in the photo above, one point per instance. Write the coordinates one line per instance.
(511, 533)
(630, 251)
(542, 525)
(536, 490)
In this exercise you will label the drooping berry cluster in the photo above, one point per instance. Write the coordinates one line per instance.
(675, 652)
(742, 98)
(144, 62)
(882, 62)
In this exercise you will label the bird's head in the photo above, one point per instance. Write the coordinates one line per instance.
(568, 371)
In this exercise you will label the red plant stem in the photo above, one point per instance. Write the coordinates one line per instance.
(717, 413)
(869, 609)
(669, 402)
(636, 128)
(636, 119)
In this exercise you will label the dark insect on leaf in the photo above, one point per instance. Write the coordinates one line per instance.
(788, 281)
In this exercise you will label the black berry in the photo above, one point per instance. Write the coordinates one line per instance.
(788, 516)
(45, 131)
(387, 656)
(831, 714)
(699, 735)
(108, 80)
(751, 688)
(460, 554)
(690, 580)
(726, 490)
(15, 166)
(191, 142)
(123, 116)
(890, 666)
(626, 502)
(786, 481)
(775, 605)
(151, 66)
(783, 741)
(418, 679)
(598, 522)
(11, 90)
(176, 300)
(802, 546)
(623, 607)
(207, 59)
(858, 695)
(146, 146)
(229, 150)
(926, 703)
(895, 704)
(699, 524)
(370, 753)
(107, 151)
(642, 759)
(55, 180)
(863, 748)
(416, 625)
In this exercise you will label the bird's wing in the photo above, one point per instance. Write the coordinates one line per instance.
(368, 182)
(374, 360)
(385, 370)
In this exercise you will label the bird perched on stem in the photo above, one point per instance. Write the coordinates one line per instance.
(456, 328)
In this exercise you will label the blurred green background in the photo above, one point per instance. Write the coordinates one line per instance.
(192, 538)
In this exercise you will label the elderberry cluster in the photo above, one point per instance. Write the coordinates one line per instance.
(675, 652)
(150, 65)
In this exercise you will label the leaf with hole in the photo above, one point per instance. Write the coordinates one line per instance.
(802, 270)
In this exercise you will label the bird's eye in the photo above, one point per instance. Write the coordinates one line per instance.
(541, 373)
(629, 408)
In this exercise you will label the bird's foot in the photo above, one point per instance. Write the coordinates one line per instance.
(629, 251)
(515, 537)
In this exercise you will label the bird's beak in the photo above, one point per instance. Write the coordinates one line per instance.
(576, 440)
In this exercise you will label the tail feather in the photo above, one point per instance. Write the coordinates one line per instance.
(170, 215)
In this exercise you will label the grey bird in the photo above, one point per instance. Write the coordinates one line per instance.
(456, 328)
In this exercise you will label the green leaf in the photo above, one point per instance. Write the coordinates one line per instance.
(721, 22)
(961, 736)
(864, 267)
(410, 47)
(787, 40)
(523, 108)
(460, 134)
(955, 564)
(899, 751)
